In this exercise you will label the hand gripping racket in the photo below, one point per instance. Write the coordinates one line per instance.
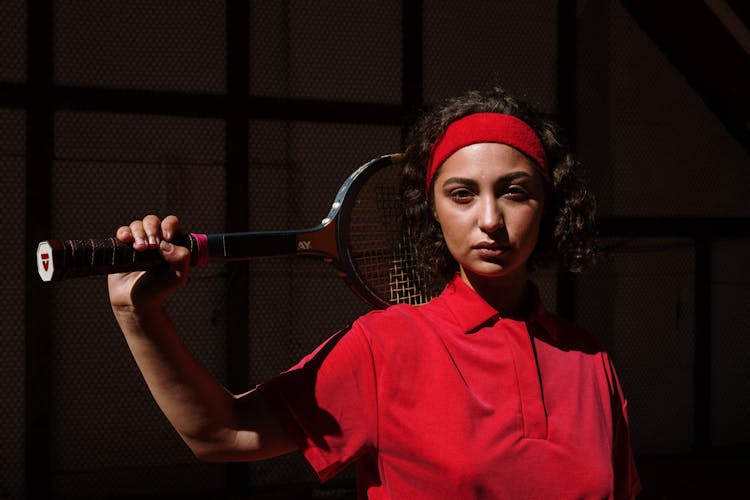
(361, 236)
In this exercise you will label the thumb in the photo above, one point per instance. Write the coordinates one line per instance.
(166, 248)
(171, 252)
(177, 257)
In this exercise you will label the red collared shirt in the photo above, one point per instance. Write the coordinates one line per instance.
(448, 400)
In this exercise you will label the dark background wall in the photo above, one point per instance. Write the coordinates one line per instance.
(248, 115)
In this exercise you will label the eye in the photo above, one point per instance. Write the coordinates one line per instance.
(517, 192)
(461, 195)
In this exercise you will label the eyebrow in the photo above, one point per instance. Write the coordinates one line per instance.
(506, 178)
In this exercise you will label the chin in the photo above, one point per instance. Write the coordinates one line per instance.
(495, 270)
(490, 271)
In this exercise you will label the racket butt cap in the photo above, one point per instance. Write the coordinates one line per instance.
(44, 262)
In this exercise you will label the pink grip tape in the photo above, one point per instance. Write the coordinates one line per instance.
(201, 247)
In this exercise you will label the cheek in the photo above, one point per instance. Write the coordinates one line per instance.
(528, 227)
(536, 230)
(453, 229)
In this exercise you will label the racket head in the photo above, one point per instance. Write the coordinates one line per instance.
(376, 254)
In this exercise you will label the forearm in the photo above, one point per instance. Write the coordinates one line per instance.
(214, 423)
(199, 408)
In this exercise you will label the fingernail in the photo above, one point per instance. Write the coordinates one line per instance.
(152, 240)
(166, 246)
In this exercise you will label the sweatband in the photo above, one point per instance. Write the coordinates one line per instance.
(487, 127)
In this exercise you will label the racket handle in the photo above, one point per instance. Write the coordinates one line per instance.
(64, 259)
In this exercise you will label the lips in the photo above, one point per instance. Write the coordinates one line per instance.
(490, 249)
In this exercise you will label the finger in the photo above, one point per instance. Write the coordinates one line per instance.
(152, 228)
(123, 234)
(170, 226)
(140, 241)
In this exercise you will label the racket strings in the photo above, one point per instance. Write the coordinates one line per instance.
(382, 252)
(405, 284)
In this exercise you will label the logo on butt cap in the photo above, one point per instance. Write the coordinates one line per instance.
(44, 263)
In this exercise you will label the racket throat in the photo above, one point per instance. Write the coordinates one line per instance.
(319, 242)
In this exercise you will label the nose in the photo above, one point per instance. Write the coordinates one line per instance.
(490, 215)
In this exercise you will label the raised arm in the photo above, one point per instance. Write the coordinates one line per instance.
(215, 424)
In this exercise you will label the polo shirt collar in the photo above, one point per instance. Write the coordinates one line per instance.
(471, 311)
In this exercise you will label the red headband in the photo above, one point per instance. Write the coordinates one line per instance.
(487, 127)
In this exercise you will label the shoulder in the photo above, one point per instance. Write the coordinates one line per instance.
(402, 316)
(570, 335)
(403, 326)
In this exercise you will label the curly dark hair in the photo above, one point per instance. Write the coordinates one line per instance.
(566, 236)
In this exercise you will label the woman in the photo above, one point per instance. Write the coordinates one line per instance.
(481, 393)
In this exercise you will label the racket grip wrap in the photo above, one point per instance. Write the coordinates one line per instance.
(65, 259)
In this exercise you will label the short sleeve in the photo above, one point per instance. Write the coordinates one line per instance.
(328, 402)
(627, 481)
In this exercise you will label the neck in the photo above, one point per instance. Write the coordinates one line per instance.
(508, 294)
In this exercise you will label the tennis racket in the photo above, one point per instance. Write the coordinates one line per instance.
(361, 236)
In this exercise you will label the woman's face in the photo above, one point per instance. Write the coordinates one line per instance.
(489, 199)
